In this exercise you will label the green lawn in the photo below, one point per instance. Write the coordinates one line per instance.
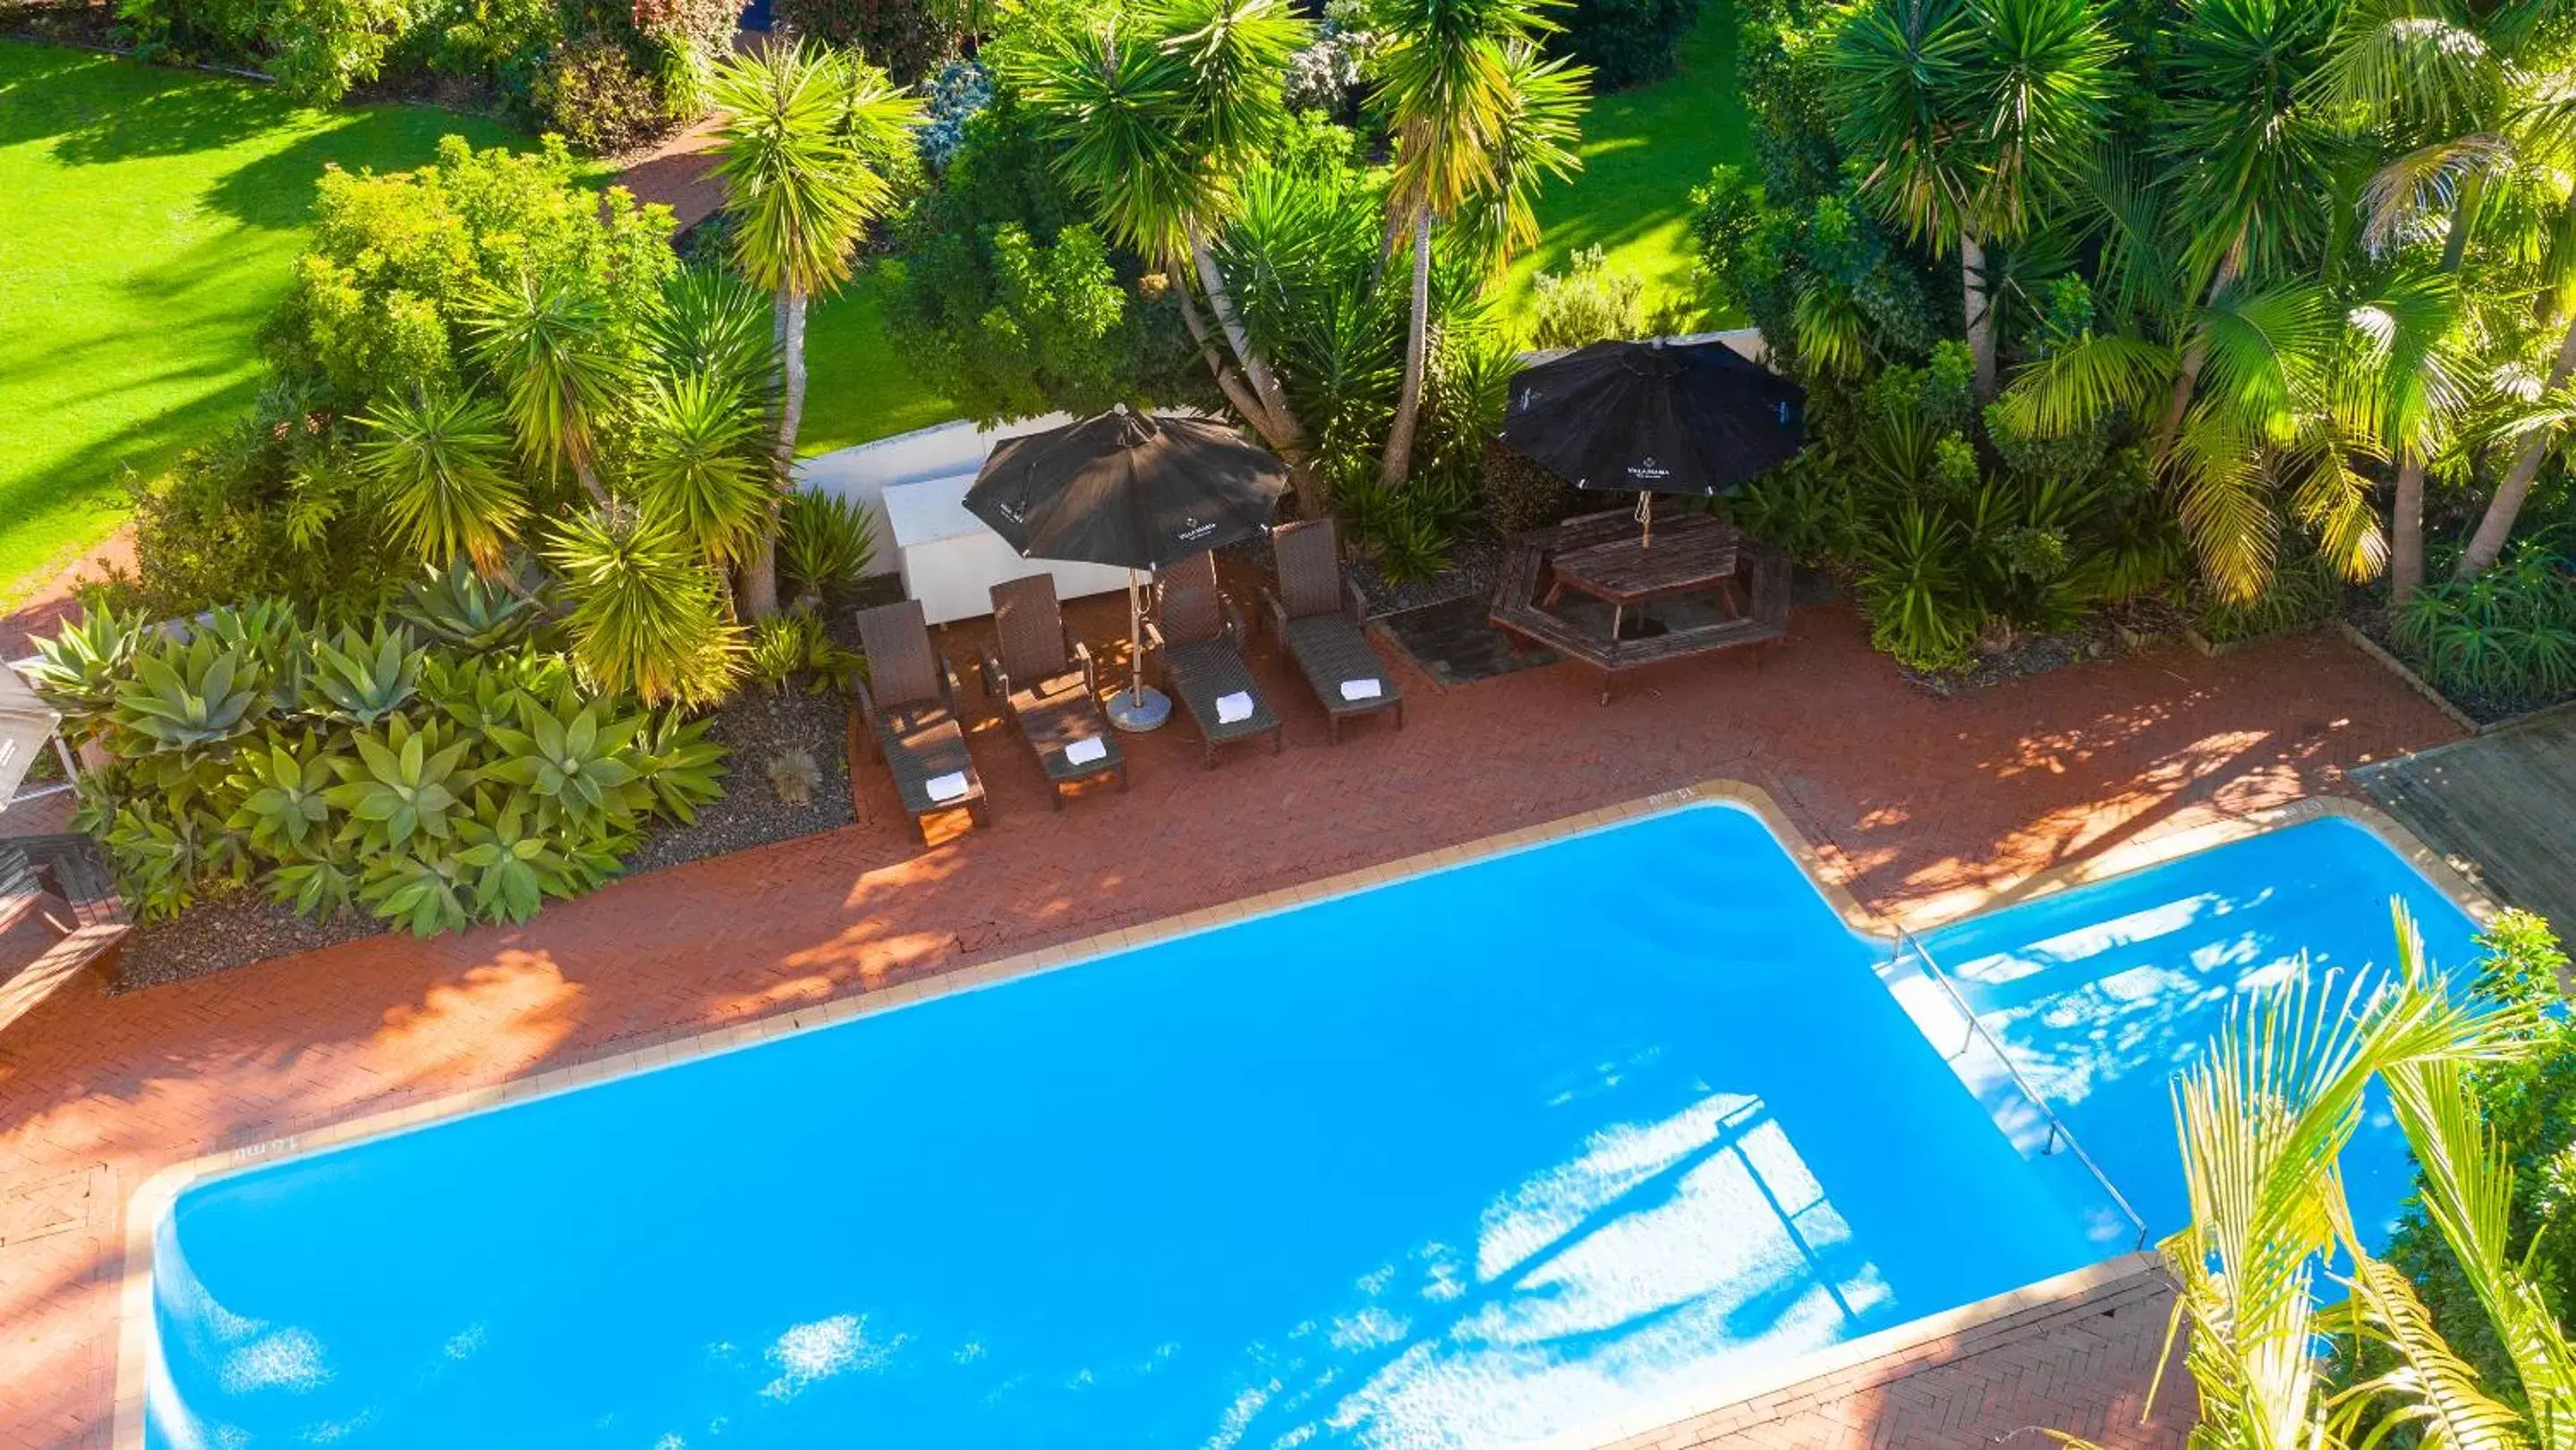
(1643, 151)
(857, 388)
(150, 218)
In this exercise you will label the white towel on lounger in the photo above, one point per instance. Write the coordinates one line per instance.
(1086, 750)
(946, 787)
(1368, 689)
(1234, 708)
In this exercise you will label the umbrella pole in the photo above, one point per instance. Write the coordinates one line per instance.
(1646, 519)
(1135, 633)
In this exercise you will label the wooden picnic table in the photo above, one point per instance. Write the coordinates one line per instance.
(1606, 556)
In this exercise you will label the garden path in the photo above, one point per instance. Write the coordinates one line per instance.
(1925, 807)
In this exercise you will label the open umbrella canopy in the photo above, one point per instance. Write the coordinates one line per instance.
(1127, 488)
(1653, 417)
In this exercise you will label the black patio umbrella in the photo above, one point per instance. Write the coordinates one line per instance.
(1655, 417)
(1128, 488)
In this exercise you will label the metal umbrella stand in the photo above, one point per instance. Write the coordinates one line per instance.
(1134, 489)
(1655, 417)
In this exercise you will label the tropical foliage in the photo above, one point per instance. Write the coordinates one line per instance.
(2299, 269)
(464, 773)
(2264, 1116)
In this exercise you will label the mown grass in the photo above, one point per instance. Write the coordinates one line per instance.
(1643, 151)
(149, 221)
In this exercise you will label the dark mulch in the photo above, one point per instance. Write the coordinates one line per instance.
(221, 932)
(1473, 562)
(241, 927)
(759, 728)
(1453, 643)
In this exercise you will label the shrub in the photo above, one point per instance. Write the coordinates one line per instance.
(431, 786)
(1626, 42)
(1407, 530)
(591, 91)
(1330, 72)
(793, 642)
(1586, 303)
(2303, 591)
(907, 38)
(2530, 1108)
(962, 89)
(2507, 636)
(825, 544)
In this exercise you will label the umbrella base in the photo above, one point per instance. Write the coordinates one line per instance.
(1139, 711)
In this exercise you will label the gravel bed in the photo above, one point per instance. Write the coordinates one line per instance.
(1473, 562)
(759, 727)
(231, 930)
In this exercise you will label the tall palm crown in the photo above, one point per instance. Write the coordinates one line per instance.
(798, 124)
(1445, 84)
(1161, 109)
(2251, 146)
(552, 344)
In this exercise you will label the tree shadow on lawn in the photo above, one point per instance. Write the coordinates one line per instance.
(99, 110)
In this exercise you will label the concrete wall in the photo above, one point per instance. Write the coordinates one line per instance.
(860, 473)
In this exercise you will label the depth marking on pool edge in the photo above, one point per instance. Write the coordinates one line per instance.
(149, 1202)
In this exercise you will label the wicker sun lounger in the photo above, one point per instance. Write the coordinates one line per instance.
(1316, 616)
(1047, 680)
(1200, 638)
(910, 699)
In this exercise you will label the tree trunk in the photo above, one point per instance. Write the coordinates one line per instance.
(2457, 246)
(2496, 524)
(1980, 310)
(2194, 354)
(1265, 384)
(2406, 546)
(759, 582)
(1398, 459)
(1228, 381)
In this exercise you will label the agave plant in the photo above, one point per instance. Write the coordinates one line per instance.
(188, 696)
(320, 887)
(361, 679)
(77, 669)
(685, 769)
(514, 861)
(406, 782)
(578, 758)
(424, 895)
(163, 856)
(460, 606)
(283, 806)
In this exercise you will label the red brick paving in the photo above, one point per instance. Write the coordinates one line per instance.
(1922, 803)
(2082, 1365)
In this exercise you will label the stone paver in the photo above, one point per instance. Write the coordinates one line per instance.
(1925, 807)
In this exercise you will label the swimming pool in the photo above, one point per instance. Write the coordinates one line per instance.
(2100, 992)
(1476, 1158)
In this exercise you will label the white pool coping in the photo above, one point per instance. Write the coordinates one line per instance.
(151, 1201)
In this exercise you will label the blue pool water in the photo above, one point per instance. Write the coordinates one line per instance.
(2100, 993)
(1471, 1160)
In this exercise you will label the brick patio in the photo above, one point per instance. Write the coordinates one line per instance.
(1926, 808)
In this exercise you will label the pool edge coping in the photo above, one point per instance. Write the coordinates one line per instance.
(151, 1201)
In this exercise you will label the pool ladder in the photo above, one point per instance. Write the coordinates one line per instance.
(2059, 1135)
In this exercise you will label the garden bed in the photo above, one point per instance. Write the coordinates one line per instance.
(241, 927)
(2476, 710)
(2110, 631)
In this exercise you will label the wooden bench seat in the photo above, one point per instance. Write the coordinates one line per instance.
(1519, 614)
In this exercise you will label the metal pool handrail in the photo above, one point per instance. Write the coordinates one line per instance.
(2058, 1132)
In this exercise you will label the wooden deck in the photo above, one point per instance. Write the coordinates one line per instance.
(2501, 806)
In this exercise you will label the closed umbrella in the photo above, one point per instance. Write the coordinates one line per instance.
(1132, 489)
(1655, 417)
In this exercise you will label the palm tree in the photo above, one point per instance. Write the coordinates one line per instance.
(1977, 115)
(438, 460)
(647, 615)
(1161, 111)
(1446, 82)
(792, 151)
(2419, 387)
(550, 341)
(698, 464)
(2264, 1116)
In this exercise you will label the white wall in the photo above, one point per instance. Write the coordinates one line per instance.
(861, 473)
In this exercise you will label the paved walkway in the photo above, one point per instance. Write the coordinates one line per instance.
(1925, 806)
